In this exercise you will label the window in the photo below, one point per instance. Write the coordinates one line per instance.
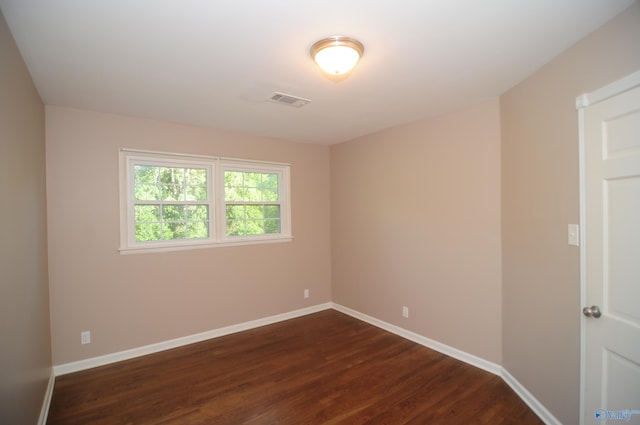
(171, 201)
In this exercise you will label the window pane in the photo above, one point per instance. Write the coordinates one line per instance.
(170, 175)
(272, 226)
(173, 213)
(145, 174)
(252, 179)
(196, 193)
(171, 231)
(233, 178)
(171, 192)
(147, 213)
(251, 187)
(271, 180)
(197, 229)
(147, 192)
(147, 232)
(235, 212)
(255, 211)
(235, 228)
(197, 212)
(233, 194)
(197, 176)
(272, 211)
(255, 227)
(170, 183)
(171, 222)
(270, 195)
(252, 194)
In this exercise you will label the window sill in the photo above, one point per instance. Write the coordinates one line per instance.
(207, 245)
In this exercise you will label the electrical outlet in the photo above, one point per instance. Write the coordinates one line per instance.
(85, 337)
(306, 293)
(405, 311)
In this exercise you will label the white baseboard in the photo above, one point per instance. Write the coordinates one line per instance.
(533, 403)
(537, 407)
(44, 411)
(419, 339)
(66, 368)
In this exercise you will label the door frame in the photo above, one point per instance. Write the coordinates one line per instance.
(582, 102)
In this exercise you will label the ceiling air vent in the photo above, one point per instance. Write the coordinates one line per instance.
(287, 99)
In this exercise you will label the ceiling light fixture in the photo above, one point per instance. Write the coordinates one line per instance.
(337, 55)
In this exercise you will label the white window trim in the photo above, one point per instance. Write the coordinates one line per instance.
(216, 167)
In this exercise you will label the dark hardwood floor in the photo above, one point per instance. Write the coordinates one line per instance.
(325, 368)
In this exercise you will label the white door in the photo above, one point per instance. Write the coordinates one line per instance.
(611, 254)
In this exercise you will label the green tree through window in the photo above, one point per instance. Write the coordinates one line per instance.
(170, 203)
(252, 204)
(177, 201)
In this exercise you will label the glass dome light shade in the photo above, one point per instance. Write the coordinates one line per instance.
(337, 55)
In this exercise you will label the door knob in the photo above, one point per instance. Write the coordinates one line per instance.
(592, 311)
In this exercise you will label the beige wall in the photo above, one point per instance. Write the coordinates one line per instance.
(541, 288)
(128, 301)
(416, 222)
(440, 254)
(25, 350)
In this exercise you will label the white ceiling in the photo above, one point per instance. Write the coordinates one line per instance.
(213, 62)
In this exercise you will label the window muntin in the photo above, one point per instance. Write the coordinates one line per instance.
(172, 201)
